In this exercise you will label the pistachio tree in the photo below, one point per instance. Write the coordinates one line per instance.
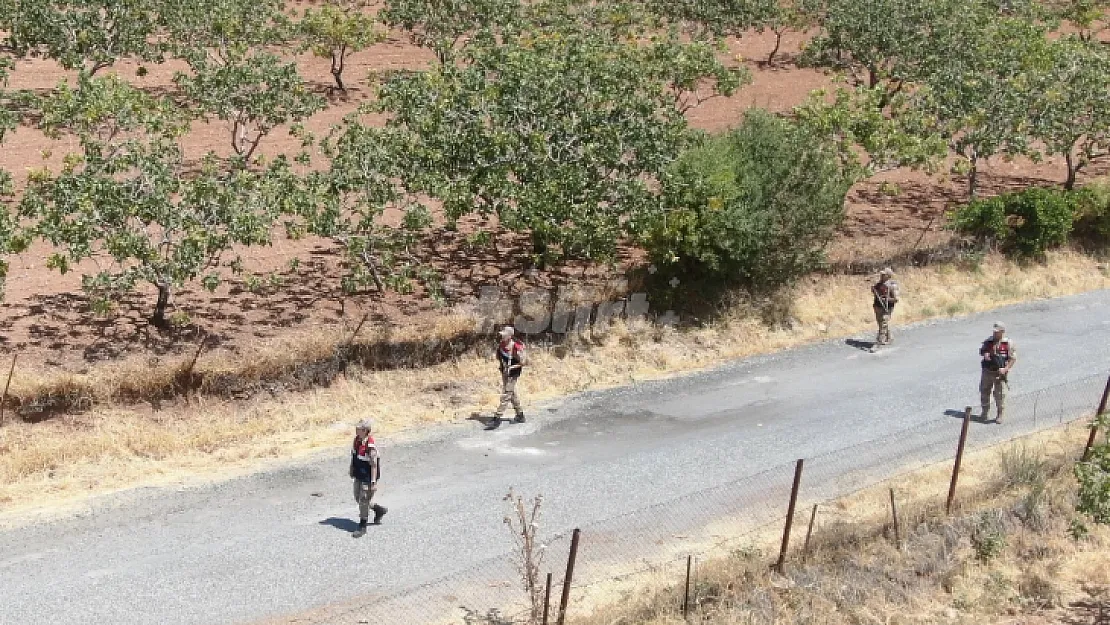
(891, 44)
(982, 103)
(126, 201)
(441, 26)
(84, 34)
(718, 17)
(336, 31)
(1071, 107)
(350, 197)
(252, 91)
(558, 126)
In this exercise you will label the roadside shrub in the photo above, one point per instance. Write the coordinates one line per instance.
(988, 535)
(1094, 484)
(1026, 223)
(756, 205)
(1092, 217)
(1020, 466)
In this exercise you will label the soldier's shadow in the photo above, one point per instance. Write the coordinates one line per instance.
(858, 344)
(959, 414)
(347, 525)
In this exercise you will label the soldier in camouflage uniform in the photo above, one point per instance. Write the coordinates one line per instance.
(886, 295)
(997, 357)
(366, 469)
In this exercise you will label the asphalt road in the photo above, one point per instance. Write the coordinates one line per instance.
(278, 542)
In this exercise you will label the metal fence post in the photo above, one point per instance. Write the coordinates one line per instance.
(1094, 427)
(959, 459)
(686, 592)
(809, 532)
(781, 565)
(894, 513)
(547, 599)
(570, 576)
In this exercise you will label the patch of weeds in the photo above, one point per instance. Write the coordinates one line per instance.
(1032, 509)
(180, 319)
(1038, 590)
(1020, 466)
(988, 535)
(955, 308)
(1078, 530)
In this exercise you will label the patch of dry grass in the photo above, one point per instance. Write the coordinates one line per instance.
(62, 460)
(1005, 553)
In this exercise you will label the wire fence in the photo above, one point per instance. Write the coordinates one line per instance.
(625, 554)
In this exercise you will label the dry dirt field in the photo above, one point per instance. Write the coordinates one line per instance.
(44, 316)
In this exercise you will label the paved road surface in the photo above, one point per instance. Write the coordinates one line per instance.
(279, 543)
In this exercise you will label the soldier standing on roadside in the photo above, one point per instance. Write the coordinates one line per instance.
(511, 360)
(997, 357)
(366, 467)
(886, 295)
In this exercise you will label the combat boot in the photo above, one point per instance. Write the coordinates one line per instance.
(361, 531)
(519, 418)
(379, 512)
(998, 417)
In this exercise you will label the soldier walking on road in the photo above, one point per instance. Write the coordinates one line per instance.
(997, 357)
(886, 296)
(366, 468)
(511, 359)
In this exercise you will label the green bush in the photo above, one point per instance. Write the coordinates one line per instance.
(1025, 223)
(1094, 485)
(756, 205)
(1092, 217)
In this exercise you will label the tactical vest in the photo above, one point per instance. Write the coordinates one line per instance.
(999, 353)
(882, 294)
(509, 355)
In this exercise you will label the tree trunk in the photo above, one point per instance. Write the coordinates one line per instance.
(973, 176)
(1069, 184)
(539, 251)
(159, 318)
(775, 51)
(337, 62)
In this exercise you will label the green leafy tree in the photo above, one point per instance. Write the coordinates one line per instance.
(125, 201)
(788, 16)
(719, 17)
(84, 34)
(350, 200)
(982, 102)
(891, 135)
(336, 32)
(734, 18)
(1090, 18)
(557, 127)
(1071, 108)
(252, 91)
(757, 205)
(217, 32)
(891, 44)
(13, 236)
(441, 25)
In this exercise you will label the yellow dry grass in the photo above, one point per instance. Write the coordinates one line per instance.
(60, 462)
(856, 574)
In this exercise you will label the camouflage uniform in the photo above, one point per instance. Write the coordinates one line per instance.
(365, 471)
(886, 295)
(510, 359)
(997, 357)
